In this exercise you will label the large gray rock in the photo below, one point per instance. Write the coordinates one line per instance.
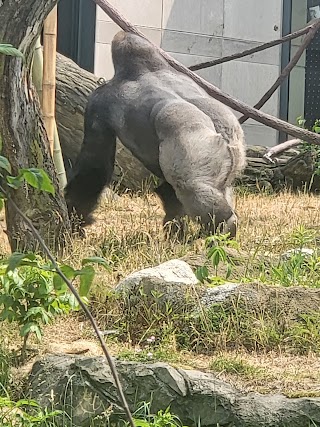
(84, 388)
(173, 282)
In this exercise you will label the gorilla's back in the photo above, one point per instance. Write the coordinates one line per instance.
(143, 84)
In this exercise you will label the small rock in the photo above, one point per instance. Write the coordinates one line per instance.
(305, 252)
(172, 281)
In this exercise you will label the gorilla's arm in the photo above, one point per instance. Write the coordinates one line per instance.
(93, 169)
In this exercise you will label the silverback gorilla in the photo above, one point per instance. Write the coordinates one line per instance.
(189, 140)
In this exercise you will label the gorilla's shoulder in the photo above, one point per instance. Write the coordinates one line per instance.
(103, 93)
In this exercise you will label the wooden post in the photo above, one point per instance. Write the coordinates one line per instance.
(49, 74)
(37, 77)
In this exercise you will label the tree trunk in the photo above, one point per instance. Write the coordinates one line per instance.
(292, 169)
(22, 134)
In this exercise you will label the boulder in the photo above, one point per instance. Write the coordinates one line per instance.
(171, 282)
(84, 388)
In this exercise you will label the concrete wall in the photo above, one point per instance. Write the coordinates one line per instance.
(194, 31)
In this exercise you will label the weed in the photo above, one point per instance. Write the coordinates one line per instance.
(163, 418)
(305, 334)
(234, 365)
(217, 255)
(25, 413)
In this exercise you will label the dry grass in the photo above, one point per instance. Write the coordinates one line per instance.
(128, 234)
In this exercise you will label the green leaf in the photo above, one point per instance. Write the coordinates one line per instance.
(15, 182)
(141, 423)
(73, 302)
(202, 273)
(16, 259)
(96, 260)
(1, 203)
(26, 402)
(86, 279)
(229, 270)
(38, 178)
(31, 327)
(8, 49)
(26, 329)
(68, 271)
(59, 284)
(5, 164)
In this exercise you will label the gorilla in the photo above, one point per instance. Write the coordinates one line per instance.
(193, 143)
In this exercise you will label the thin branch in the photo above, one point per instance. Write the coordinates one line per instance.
(280, 148)
(251, 51)
(81, 303)
(212, 90)
(288, 68)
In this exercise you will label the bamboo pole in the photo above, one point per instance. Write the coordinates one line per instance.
(212, 90)
(49, 74)
(38, 80)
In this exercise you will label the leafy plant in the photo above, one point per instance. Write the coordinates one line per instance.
(305, 336)
(302, 236)
(36, 178)
(163, 418)
(32, 293)
(311, 148)
(299, 266)
(24, 413)
(217, 255)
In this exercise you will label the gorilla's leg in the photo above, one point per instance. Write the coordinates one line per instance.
(93, 169)
(173, 223)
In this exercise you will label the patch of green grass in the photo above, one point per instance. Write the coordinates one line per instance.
(150, 353)
(25, 413)
(231, 325)
(305, 334)
(143, 417)
(235, 365)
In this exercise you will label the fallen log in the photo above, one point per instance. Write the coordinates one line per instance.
(293, 169)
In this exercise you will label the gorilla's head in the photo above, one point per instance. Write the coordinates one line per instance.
(133, 55)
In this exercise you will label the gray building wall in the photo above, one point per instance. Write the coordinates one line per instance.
(194, 31)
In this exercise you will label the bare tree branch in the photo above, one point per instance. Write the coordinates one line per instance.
(212, 90)
(280, 148)
(286, 71)
(251, 51)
